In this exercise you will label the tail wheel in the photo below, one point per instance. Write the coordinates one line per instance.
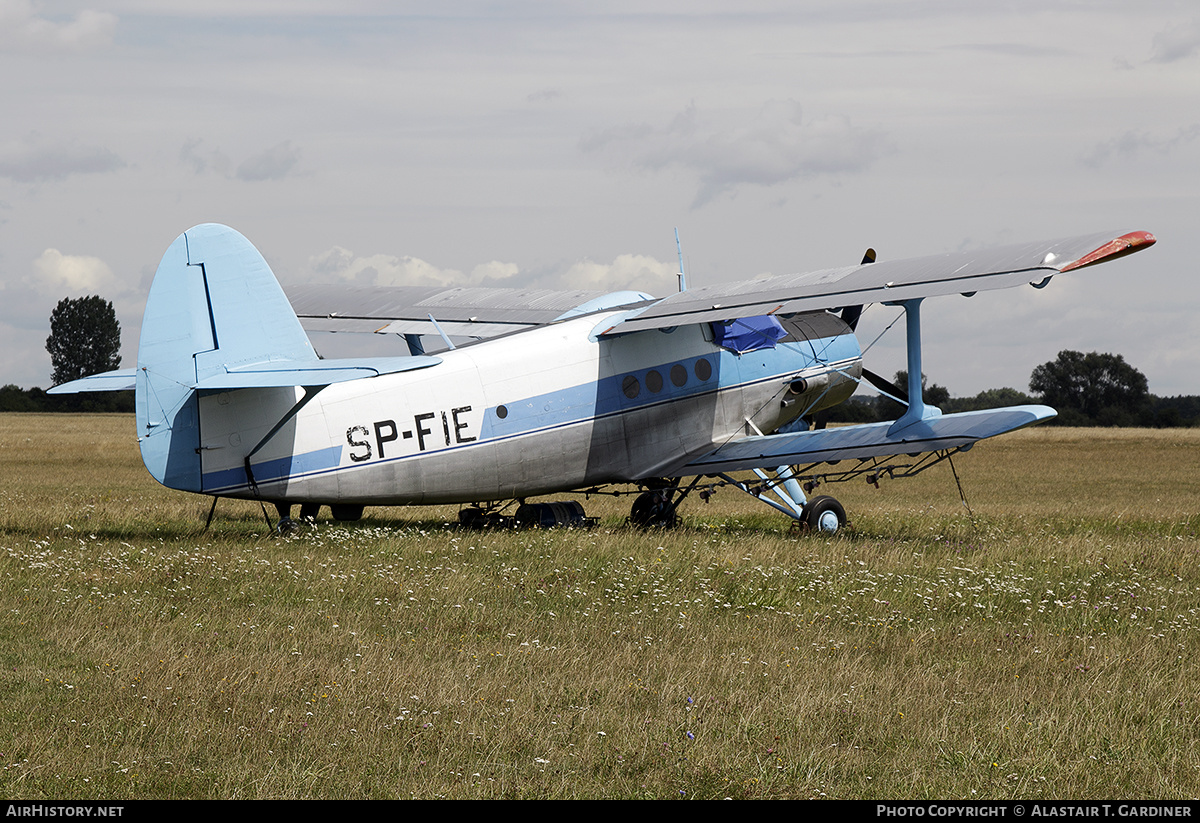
(824, 514)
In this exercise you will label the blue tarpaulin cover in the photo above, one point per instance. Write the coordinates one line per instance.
(748, 334)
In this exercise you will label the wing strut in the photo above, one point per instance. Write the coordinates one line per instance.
(917, 410)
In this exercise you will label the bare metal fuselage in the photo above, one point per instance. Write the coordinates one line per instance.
(550, 409)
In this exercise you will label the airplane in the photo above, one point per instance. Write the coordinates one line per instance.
(545, 392)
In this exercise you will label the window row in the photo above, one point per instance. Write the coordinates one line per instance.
(678, 374)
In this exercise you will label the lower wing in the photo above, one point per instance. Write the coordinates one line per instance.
(864, 441)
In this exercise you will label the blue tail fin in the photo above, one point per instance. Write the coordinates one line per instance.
(214, 305)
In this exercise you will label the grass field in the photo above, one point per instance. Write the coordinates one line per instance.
(1041, 643)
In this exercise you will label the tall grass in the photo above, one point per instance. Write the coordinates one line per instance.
(1038, 642)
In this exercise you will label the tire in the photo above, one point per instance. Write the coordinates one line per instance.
(652, 511)
(346, 512)
(824, 514)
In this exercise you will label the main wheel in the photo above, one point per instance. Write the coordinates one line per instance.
(652, 511)
(824, 514)
(346, 512)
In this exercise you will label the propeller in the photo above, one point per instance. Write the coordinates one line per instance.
(850, 314)
(885, 386)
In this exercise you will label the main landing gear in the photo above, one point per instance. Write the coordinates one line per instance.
(342, 512)
(653, 510)
(657, 507)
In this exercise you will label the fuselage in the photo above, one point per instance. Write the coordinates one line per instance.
(550, 409)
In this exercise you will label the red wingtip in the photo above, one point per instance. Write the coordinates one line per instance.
(1121, 246)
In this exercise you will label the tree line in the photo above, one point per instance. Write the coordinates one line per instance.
(1092, 389)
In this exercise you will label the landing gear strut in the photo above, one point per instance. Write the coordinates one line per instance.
(783, 492)
(286, 524)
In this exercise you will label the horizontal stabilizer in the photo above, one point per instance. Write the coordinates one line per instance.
(264, 375)
(119, 380)
(864, 441)
(311, 372)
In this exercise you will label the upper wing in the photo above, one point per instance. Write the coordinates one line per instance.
(488, 312)
(886, 282)
(458, 311)
(863, 441)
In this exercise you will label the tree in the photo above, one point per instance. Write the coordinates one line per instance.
(85, 338)
(1092, 389)
(932, 394)
(14, 398)
(989, 399)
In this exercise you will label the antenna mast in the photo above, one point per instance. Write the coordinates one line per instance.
(682, 277)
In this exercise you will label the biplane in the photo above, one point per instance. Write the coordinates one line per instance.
(500, 396)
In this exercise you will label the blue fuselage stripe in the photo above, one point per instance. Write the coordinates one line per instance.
(270, 471)
(582, 403)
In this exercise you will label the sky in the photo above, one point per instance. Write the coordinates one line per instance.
(562, 143)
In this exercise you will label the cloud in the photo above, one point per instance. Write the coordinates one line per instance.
(56, 272)
(274, 163)
(37, 159)
(1131, 144)
(774, 145)
(21, 27)
(1177, 42)
(200, 159)
(547, 95)
(494, 273)
(627, 271)
(342, 266)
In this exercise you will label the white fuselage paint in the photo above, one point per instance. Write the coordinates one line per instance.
(545, 410)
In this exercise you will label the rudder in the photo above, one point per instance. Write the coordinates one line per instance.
(214, 303)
